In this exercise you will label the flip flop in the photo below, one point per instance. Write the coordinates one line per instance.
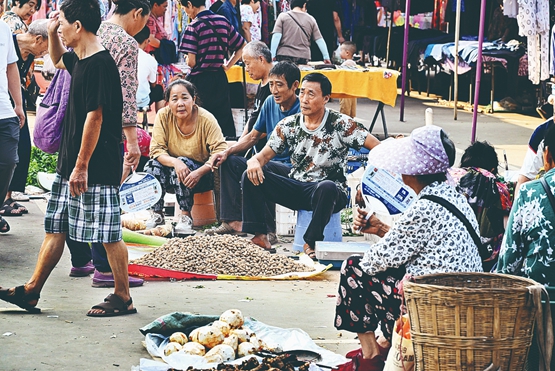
(4, 226)
(310, 252)
(20, 298)
(6, 210)
(224, 228)
(113, 306)
(16, 205)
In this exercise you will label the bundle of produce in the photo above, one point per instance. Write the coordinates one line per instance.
(219, 255)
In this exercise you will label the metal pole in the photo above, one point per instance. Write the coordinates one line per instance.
(405, 57)
(388, 36)
(457, 36)
(478, 71)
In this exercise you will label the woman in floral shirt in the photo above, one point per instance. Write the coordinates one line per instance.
(21, 12)
(426, 239)
(527, 248)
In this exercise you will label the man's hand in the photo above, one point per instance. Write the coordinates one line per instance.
(132, 156)
(78, 181)
(327, 61)
(192, 179)
(20, 114)
(341, 39)
(53, 23)
(181, 170)
(218, 159)
(254, 172)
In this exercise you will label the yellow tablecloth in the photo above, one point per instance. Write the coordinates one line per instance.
(366, 83)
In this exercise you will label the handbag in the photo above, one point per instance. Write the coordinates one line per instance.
(47, 134)
(166, 53)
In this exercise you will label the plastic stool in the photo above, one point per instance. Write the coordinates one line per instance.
(332, 232)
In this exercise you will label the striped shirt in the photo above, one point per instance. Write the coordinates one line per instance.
(210, 49)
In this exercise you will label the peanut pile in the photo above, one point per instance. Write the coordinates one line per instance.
(227, 254)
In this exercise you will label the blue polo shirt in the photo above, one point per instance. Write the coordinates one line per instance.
(230, 12)
(268, 118)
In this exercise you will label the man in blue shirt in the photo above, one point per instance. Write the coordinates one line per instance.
(284, 80)
(229, 11)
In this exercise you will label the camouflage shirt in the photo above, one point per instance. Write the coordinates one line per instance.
(319, 154)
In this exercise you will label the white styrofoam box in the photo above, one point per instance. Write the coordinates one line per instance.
(169, 199)
(286, 221)
(239, 120)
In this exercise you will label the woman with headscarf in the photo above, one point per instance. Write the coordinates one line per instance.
(427, 238)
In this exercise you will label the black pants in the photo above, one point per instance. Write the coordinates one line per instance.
(213, 91)
(80, 252)
(231, 173)
(323, 198)
(19, 179)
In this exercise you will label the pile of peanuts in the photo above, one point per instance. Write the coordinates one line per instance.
(227, 254)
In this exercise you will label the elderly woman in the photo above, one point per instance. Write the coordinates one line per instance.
(184, 138)
(527, 247)
(20, 14)
(427, 238)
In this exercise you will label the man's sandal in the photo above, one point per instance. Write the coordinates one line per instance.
(310, 252)
(20, 298)
(16, 205)
(224, 228)
(7, 210)
(113, 306)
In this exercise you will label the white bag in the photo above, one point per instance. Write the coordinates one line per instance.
(401, 354)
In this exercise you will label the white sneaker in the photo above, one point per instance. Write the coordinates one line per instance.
(184, 226)
(19, 196)
(155, 220)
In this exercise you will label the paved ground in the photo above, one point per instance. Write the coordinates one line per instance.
(63, 338)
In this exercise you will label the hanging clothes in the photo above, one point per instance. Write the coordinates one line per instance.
(533, 22)
(510, 8)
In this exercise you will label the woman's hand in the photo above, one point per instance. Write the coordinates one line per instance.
(192, 179)
(371, 225)
(181, 170)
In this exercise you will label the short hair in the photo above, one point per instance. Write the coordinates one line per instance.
(349, 46)
(194, 3)
(247, 2)
(39, 28)
(23, 2)
(298, 3)
(142, 35)
(549, 140)
(158, 2)
(482, 155)
(126, 6)
(257, 49)
(325, 83)
(85, 11)
(191, 88)
(451, 152)
(288, 70)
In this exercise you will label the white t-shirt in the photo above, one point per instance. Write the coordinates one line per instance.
(7, 56)
(147, 69)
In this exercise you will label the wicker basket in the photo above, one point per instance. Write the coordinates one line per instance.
(468, 321)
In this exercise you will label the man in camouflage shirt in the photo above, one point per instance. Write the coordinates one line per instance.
(318, 140)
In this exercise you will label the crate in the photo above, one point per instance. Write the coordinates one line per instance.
(335, 253)
(332, 231)
(286, 221)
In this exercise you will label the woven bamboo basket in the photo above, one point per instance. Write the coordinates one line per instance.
(469, 321)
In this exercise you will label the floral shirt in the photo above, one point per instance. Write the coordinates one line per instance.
(125, 51)
(156, 26)
(247, 15)
(15, 22)
(319, 154)
(527, 248)
(427, 238)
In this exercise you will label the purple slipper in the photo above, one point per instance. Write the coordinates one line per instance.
(107, 280)
(83, 271)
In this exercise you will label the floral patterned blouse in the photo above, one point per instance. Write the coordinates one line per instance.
(156, 27)
(527, 248)
(125, 51)
(427, 238)
(15, 22)
(319, 154)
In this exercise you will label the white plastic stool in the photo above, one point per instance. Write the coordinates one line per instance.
(332, 232)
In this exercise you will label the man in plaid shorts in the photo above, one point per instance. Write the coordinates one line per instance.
(84, 201)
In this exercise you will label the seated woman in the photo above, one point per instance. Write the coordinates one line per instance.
(487, 195)
(426, 239)
(184, 138)
(527, 248)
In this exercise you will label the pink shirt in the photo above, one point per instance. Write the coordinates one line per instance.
(156, 26)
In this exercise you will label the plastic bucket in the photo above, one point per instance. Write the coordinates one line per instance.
(332, 232)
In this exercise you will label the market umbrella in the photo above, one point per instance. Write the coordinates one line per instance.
(478, 70)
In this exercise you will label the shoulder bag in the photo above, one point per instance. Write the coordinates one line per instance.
(301, 27)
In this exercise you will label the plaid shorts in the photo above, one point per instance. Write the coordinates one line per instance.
(94, 216)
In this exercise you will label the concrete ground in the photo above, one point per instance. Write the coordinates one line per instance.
(63, 338)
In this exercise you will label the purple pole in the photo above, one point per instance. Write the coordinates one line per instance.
(405, 52)
(478, 71)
